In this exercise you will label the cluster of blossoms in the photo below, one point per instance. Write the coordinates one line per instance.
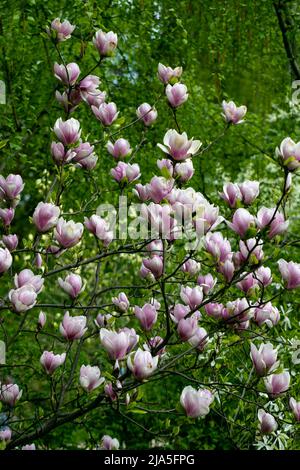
(139, 347)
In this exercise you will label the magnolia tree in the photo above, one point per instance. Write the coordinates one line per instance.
(203, 304)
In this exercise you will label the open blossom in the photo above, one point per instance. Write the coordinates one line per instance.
(272, 219)
(115, 343)
(191, 296)
(289, 152)
(10, 241)
(67, 74)
(72, 285)
(68, 132)
(125, 172)
(108, 443)
(11, 187)
(143, 364)
(267, 314)
(82, 152)
(45, 216)
(231, 194)
(73, 327)
(90, 377)
(176, 94)
(178, 146)
(63, 29)
(68, 233)
(276, 384)
(167, 74)
(121, 302)
(290, 273)
(51, 361)
(23, 299)
(147, 316)
(7, 215)
(88, 163)
(264, 359)
(105, 43)
(147, 113)
(267, 422)
(10, 393)
(295, 407)
(100, 228)
(106, 113)
(27, 277)
(196, 402)
(232, 113)
(207, 282)
(119, 149)
(5, 260)
(242, 221)
(159, 187)
(5, 434)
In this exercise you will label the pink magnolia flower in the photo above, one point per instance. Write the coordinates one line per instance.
(125, 172)
(89, 84)
(199, 339)
(168, 75)
(147, 113)
(11, 187)
(106, 113)
(63, 29)
(10, 393)
(119, 149)
(267, 422)
(108, 443)
(250, 250)
(214, 310)
(159, 187)
(178, 146)
(187, 327)
(231, 194)
(276, 384)
(5, 434)
(5, 260)
(45, 216)
(289, 152)
(147, 316)
(166, 167)
(67, 74)
(184, 171)
(227, 268)
(72, 285)
(141, 192)
(190, 267)
(242, 221)
(196, 402)
(143, 364)
(178, 312)
(159, 219)
(264, 359)
(207, 282)
(82, 152)
(290, 273)
(133, 338)
(7, 215)
(121, 302)
(155, 265)
(176, 94)
(69, 233)
(100, 228)
(42, 320)
(155, 247)
(110, 392)
(295, 407)
(264, 276)
(267, 314)
(105, 43)
(249, 191)
(90, 378)
(89, 162)
(51, 361)
(69, 100)
(68, 132)
(218, 246)
(73, 327)
(27, 277)
(10, 241)
(23, 299)
(248, 284)
(191, 296)
(273, 219)
(116, 344)
(232, 113)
